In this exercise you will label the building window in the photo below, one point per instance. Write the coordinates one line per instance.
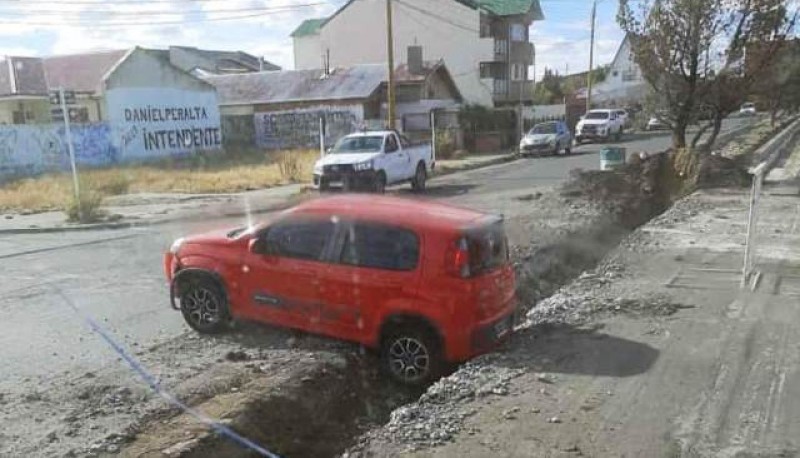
(486, 70)
(500, 86)
(486, 26)
(518, 72)
(501, 47)
(519, 32)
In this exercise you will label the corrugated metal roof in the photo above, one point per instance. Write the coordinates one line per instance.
(308, 27)
(81, 72)
(356, 82)
(22, 76)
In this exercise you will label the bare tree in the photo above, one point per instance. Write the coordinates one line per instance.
(692, 54)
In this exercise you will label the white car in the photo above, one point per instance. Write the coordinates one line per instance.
(748, 109)
(656, 123)
(599, 125)
(373, 160)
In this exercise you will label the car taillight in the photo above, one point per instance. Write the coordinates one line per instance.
(458, 259)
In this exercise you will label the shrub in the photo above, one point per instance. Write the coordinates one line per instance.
(289, 166)
(445, 144)
(89, 209)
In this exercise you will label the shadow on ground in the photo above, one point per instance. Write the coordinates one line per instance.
(566, 349)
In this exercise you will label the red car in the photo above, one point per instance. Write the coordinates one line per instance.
(425, 283)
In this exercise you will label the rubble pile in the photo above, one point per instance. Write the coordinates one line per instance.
(440, 412)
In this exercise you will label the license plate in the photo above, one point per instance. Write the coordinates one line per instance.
(502, 328)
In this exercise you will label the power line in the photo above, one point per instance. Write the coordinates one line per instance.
(160, 13)
(437, 16)
(156, 23)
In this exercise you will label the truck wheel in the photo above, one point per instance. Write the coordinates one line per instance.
(203, 305)
(556, 149)
(420, 178)
(379, 183)
(411, 355)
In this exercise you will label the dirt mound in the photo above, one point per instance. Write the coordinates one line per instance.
(717, 171)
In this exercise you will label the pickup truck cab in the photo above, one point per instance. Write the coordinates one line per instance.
(599, 125)
(373, 160)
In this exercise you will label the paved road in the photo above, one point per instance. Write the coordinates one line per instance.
(116, 276)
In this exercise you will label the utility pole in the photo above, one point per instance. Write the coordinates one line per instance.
(390, 58)
(591, 59)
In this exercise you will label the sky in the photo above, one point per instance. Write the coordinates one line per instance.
(260, 27)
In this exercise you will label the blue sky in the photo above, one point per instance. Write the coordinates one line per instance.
(39, 27)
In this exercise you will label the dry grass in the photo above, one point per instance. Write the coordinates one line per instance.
(197, 175)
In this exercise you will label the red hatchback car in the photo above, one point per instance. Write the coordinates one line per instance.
(425, 283)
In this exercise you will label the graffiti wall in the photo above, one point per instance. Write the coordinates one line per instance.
(33, 149)
(300, 128)
(157, 122)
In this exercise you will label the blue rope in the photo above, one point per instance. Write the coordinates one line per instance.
(156, 387)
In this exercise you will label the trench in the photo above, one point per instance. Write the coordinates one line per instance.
(327, 414)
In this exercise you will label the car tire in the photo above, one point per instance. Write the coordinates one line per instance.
(568, 150)
(556, 149)
(379, 183)
(204, 305)
(347, 184)
(420, 180)
(412, 355)
(324, 185)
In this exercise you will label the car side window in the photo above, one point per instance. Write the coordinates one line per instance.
(299, 239)
(380, 246)
(391, 144)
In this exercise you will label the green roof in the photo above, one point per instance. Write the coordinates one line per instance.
(507, 7)
(308, 27)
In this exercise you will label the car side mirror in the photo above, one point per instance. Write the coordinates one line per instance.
(257, 245)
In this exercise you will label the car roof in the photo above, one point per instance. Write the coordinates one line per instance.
(371, 133)
(412, 213)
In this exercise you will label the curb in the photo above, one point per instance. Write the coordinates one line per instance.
(288, 203)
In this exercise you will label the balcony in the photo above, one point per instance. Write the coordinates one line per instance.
(521, 52)
(506, 91)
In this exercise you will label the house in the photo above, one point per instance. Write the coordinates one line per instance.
(484, 43)
(23, 91)
(284, 109)
(208, 62)
(624, 84)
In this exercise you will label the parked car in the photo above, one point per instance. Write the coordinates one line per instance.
(373, 160)
(423, 282)
(748, 109)
(599, 125)
(656, 123)
(548, 137)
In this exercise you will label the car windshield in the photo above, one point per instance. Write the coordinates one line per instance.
(358, 144)
(546, 128)
(748, 105)
(596, 115)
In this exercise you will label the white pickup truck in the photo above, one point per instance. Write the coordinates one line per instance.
(600, 125)
(373, 160)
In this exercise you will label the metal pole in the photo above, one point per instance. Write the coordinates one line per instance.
(752, 220)
(322, 136)
(390, 58)
(591, 59)
(71, 151)
(433, 135)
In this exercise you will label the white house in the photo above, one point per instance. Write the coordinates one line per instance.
(624, 83)
(485, 43)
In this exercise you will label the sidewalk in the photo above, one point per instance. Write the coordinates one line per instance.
(657, 352)
(147, 209)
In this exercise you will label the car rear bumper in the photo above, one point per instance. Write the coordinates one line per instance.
(484, 336)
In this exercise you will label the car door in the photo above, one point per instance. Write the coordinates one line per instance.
(396, 160)
(374, 266)
(282, 270)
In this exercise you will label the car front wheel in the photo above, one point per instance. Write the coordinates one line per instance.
(203, 306)
(411, 356)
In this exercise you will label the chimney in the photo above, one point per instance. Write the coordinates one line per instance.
(415, 66)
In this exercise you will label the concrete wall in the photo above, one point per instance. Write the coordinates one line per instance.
(461, 49)
(157, 110)
(283, 129)
(308, 52)
(29, 150)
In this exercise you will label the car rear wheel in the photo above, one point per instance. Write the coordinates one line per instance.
(203, 306)
(420, 180)
(411, 356)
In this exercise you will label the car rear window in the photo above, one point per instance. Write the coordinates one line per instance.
(379, 246)
(488, 248)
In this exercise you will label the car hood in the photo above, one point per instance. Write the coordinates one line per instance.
(348, 158)
(540, 138)
(216, 237)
